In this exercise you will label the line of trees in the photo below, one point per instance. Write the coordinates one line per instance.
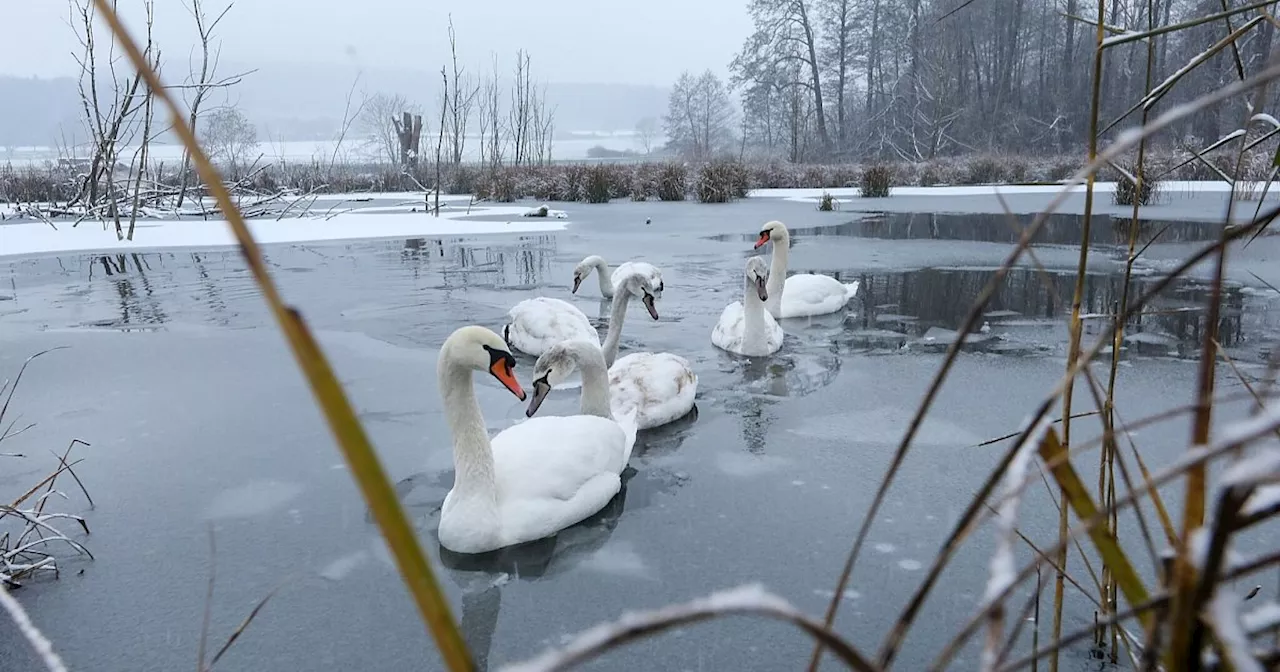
(821, 80)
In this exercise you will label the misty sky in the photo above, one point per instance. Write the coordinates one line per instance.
(569, 40)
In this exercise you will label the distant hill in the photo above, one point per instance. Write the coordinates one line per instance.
(306, 102)
(35, 111)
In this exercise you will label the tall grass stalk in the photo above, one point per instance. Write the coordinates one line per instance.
(346, 428)
(1073, 347)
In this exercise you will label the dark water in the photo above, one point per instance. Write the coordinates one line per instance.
(198, 417)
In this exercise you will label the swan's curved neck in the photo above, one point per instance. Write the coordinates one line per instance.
(602, 274)
(472, 453)
(777, 273)
(753, 332)
(595, 378)
(616, 317)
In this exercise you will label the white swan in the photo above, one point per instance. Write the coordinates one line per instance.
(597, 263)
(533, 325)
(803, 294)
(745, 327)
(530, 480)
(661, 386)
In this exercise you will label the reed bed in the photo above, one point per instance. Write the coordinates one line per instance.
(1190, 617)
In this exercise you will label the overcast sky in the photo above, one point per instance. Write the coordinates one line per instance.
(647, 42)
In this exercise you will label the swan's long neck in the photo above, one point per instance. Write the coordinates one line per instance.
(616, 317)
(472, 454)
(595, 379)
(602, 274)
(777, 273)
(753, 331)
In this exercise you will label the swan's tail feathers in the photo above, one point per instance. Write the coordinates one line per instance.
(851, 289)
(629, 418)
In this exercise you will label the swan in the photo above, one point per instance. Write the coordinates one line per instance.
(533, 325)
(660, 386)
(745, 327)
(803, 294)
(531, 480)
(597, 263)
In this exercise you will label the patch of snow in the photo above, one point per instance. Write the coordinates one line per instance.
(910, 565)
(826, 594)
(40, 238)
(885, 548)
(1263, 498)
(1263, 618)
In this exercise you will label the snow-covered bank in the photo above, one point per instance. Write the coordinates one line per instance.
(39, 238)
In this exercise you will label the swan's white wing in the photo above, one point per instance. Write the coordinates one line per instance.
(650, 272)
(554, 471)
(773, 333)
(728, 332)
(806, 294)
(662, 386)
(538, 323)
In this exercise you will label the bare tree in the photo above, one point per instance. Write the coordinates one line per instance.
(461, 101)
(520, 113)
(203, 80)
(699, 119)
(784, 33)
(231, 140)
(647, 131)
(491, 120)
(444, 111)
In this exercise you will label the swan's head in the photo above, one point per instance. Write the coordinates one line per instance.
(480, 349)
(639, 286)
(775, 231)
(555, 365)
(758, 275)
(584, 268)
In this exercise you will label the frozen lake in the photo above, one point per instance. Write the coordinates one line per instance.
(198, 416)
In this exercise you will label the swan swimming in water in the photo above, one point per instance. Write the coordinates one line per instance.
(530, 480)
(803, 294)
(745, 327)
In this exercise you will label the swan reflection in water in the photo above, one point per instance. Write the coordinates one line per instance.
(482, 575)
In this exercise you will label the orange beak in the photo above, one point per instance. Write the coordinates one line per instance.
(764, 238)
(507, 377)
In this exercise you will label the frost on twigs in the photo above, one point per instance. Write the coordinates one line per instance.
(747, 599)
(30, 532)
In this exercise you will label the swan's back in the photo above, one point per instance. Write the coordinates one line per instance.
(806, 294)
(536, 324)
(648, 270)
(661, 386)
(554, 471)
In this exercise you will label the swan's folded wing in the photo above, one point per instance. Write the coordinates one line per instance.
(553, 456)
(653, 381)
(549, 321)
(728, 331)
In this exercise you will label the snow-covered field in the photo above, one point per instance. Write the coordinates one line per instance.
(341, 217)
(391, 222)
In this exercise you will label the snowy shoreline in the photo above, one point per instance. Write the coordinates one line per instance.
(29, 238)
(395, 220)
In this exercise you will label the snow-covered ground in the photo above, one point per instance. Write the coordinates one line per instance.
(40, 238)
